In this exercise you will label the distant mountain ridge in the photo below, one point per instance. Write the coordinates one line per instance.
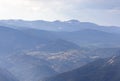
(19, 40)
(70, 25)
(86, 37)
(91, 37)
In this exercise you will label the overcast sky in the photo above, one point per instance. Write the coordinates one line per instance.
(104, 12)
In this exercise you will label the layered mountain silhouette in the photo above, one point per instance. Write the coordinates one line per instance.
(83, 38)
(72, 31)
(14, 40)
(33, 50)
(100, 70)
(70, 25)
(14, 43)
(92, 37)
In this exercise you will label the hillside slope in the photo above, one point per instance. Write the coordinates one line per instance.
(100, 70)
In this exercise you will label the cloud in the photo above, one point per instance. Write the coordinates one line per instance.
(103, 4)
(114, 11)
(84, 10)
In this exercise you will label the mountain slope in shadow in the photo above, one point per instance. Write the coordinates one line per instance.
(100, 70)
(6, 76)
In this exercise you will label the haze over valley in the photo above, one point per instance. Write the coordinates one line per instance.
(29, 49)
(59, 40)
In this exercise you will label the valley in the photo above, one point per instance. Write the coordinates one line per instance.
(35, 53)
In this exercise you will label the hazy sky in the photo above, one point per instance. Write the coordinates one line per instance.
(105, 12)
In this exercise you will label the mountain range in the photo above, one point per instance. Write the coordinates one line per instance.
(41, 49)
(70, 25)
(14, 43)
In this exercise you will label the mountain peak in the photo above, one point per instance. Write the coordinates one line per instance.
(73, 21)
